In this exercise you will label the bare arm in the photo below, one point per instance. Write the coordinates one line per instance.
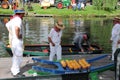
(17, 30)
(80, 43)
(50, 40)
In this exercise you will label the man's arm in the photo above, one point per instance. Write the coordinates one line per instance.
(17, 30)
(80, 44)
(50, 40)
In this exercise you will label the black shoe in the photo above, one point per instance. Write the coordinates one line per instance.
(19, 75)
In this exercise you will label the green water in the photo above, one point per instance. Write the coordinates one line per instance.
(37, 29)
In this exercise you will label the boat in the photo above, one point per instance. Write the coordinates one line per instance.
(43, 50)
(74, 68)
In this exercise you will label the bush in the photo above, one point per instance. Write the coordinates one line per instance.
(107, 5)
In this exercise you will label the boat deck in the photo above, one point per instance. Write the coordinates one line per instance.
(28, 63)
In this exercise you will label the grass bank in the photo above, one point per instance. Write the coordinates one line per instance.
(88, 12)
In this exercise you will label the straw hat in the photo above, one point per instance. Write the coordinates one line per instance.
(60, 25)
(19, 10)
(116, 19)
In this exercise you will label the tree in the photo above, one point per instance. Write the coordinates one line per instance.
(105, 4)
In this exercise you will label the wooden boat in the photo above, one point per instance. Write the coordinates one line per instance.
(43, 50)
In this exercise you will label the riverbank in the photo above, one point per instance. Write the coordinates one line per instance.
(70, 16)
(89, 11)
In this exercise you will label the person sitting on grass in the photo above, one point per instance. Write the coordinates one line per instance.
(73, 3)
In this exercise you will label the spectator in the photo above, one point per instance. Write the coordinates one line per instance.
(73, 3)
(80, 4)
(10, 4)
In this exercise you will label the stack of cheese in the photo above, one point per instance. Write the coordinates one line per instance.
(74, 64)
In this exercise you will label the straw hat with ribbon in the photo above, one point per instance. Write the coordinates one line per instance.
(60, 25)
(116, 19)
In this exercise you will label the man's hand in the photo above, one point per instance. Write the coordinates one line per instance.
(50, 40)
(20, 36)
(118, 41)
(110, 41)
(82, 50)
(91, 48)
(53, 44)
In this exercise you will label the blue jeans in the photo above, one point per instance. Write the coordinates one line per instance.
(79, 6)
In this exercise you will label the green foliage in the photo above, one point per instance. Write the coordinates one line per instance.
(104, 32)
(98, 4)
(108, 5)
(6, 11)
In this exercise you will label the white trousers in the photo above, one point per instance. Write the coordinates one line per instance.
(55, 50)
(17, 50)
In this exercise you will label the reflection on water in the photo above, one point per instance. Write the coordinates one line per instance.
(37, 29)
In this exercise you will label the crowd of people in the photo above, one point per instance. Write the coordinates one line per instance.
(74, 4)
(13, 4)
(80, 4)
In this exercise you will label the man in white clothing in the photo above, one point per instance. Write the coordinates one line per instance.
(115, 36)
(54, 39)
(16, 30)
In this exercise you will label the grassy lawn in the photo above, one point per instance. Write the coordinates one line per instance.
(89, 11)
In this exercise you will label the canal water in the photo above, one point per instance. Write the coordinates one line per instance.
(36, 30)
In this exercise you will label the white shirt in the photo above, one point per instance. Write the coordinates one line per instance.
(55, 36)
(16, 21)
(115, 35)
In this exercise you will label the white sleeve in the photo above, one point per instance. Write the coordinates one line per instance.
(7, 25)
(17, 21)
(115, 32)
(51, 33)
